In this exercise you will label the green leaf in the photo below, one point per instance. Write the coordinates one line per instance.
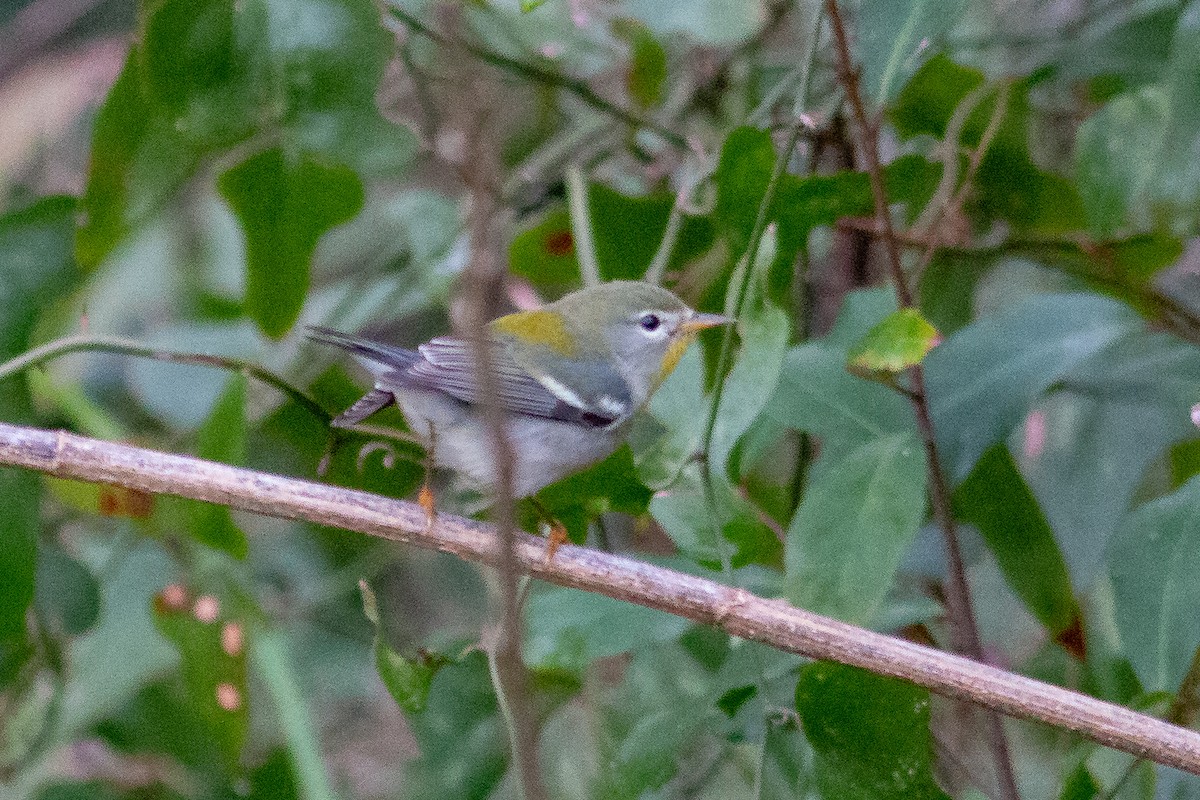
(703, 523)
(870, 734)
(898, 342)
(67, 595)
(859, 514)
(982, 380)
(37, 265)
(206, 77)
(646, 74)
(212, 650)
(611, 485)
(285, 206)
(1177, 169)
(545, 252)
(464, 750)
(1117, 152)
(194, 72)
(764, 331)
(627, 231)
(787, 768)
(570, 629)
(222, 438)
(927, 102)
(1156, 588)
(87, 790)
(893, 36)
(1185, 462)
(407, 680)
(947, 289)
(1080, 785)
(648, 756)
(816, 394)
(275, 778)
(996, 500)
(137, 161)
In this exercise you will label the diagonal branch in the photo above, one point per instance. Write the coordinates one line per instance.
(736, 611)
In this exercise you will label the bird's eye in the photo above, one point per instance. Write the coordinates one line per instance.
(650, 322)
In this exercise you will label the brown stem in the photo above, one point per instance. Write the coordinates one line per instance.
(736, 611)
(483, 285)
(964, 630)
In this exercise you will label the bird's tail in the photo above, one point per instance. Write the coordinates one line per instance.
(375, 356)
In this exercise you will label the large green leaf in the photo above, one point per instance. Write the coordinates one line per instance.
(212, 650)
(36, 266)
(816, 394)
(996, 500)
(571, 629)
(285, 205)
(859, 514)
(982, 380)
(1117, 151)
(763, 329)
(208, 76)
(870, 734)
(713, 524)
(1157, 586)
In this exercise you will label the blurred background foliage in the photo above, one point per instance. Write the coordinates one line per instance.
(205, 176)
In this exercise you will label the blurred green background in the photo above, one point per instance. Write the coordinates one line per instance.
(207, 176)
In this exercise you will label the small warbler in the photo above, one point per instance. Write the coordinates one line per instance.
(570, 377)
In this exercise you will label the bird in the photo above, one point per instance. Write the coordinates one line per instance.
(569, 376)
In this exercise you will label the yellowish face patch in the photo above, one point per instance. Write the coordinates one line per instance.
(543, 328)
(675, 352)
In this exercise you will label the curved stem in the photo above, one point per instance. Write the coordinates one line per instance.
(128, 347)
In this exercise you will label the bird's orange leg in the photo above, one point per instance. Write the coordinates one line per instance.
(557, 535)
(425, 496)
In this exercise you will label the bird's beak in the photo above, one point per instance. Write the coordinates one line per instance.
(699, 322)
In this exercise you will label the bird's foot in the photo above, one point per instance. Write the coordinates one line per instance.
(556, 538)
(428, 502)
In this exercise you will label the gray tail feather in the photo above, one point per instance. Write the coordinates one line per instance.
(374, 400)
(374, 354)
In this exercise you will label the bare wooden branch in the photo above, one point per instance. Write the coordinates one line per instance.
(738, 612)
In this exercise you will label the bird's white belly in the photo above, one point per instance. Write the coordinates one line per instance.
(544, 451)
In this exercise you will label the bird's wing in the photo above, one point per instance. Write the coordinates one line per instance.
(448, 365)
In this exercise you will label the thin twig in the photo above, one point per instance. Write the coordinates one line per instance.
(736, 611)
(128, 347)
(544, 76)
(964, 630)
(483, 284)
(666, 246)
(581, 225)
